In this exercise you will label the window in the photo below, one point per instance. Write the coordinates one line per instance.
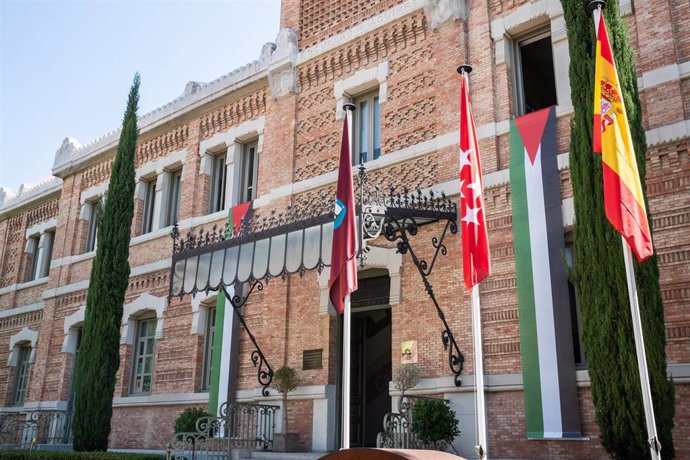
(21, 379)
(367, 129)
(73, 385)
(535, 83)
(208, 348)
(145, 345)
(149, 204)
(575, 321)
(249, 169)
(92, 231)
(33, 257)
(47, 253)
(173, 197)
(218, 176)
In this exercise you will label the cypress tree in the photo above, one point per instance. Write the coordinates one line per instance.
(599, 271)
(99, 352)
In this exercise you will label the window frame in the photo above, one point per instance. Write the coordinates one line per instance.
(92, 226)
(134, 388)
(21, 377)
(209, 338)
(373, 129)
(149, 205)
(34, 269)
(534, 35)
(249, 166)
(218, 185)
(48, 245)
(174, 192)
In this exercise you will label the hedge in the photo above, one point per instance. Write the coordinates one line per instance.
(49, 455)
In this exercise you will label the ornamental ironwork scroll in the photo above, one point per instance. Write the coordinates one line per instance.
(398, 216)
(277, 244)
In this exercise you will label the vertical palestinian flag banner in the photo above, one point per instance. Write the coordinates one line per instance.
(222, 342)
(548, 369)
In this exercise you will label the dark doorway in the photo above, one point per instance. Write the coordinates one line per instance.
(370, 400)
(370, 352)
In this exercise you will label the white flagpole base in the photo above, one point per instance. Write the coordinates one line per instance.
(652, 436)
(481, 447)
(347, 326)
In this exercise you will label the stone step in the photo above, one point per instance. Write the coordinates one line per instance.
(259, 455)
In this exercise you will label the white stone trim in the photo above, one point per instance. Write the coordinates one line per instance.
(665, 74)
(70, 328)
(67, 260)
(360, 82)
(200, 315)
(524, 18)
(42, 227)
(529, 17)
(21, 310)
(438, 12)
(377, 257)
(30, 284)
(91, 194)
(31, 245)
(61, 290)
(10, 200)
(281, 72)
(668, 133)
(171, 161)
(25, 335)
(142, 303)
(167, 399)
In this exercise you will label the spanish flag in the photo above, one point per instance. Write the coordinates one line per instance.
(623, 197)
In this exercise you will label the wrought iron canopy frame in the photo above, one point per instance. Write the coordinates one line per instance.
(299, 239)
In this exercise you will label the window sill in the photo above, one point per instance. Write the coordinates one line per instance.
(170, 399)
(26, 285)
(155, 234)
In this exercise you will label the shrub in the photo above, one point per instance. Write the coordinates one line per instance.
(48, 455)
(434, 421)
(186, 421)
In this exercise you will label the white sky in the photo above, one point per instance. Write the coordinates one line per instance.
(66, 66)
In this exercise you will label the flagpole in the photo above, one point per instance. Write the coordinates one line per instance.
(653, 438)
(346, 374)
(347, 323)
(480, 401)
(479, 374)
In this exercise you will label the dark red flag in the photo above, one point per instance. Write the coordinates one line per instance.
(475, 242)
(343, 279)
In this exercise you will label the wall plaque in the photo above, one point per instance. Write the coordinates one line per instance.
(408, 350)
(311, 359)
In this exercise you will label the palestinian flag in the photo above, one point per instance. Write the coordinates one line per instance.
(548, 370)
(224, 325)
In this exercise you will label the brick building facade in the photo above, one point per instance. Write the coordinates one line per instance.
(270, 131)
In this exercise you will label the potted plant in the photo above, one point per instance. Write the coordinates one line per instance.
(285, 380)
(405, 376)
(434, 421)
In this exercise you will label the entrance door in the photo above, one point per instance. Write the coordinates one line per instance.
(370, 353)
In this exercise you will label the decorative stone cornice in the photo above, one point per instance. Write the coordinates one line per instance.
(281, 70)
(438, 12)
(195, 94)
(27, 192)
